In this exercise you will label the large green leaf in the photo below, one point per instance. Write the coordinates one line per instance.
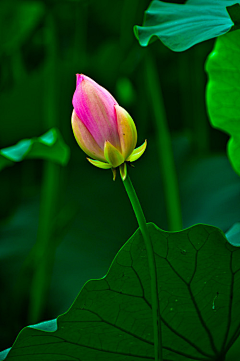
(111, 319)
(49, 146)
(223, 91)
(181, 26)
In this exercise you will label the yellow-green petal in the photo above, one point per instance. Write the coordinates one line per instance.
(123, 171)
(112, 155)
(127, 131)
(99, 164)
(138, 152)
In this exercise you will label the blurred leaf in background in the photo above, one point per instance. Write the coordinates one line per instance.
(180, 27)
(49, 146)
(222, 92)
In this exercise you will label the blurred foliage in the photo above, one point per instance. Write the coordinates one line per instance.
(49, 146)
(223, 92)
(180, 27)
(44, 44)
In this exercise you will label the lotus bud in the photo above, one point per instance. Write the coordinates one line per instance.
(103, 130)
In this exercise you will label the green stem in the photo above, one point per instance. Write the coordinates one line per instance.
(152, 267)
(44, 248)
(43, 255)
(165, 152)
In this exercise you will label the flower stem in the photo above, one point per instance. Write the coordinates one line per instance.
(165, 152)
(152, 267)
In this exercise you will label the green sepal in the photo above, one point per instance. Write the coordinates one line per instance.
(138, 152)
(99, 164)
(112, 155)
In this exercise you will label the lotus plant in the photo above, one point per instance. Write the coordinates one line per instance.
(106, 132)
(103, 129)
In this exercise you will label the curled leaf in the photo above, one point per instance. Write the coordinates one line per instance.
(180, 27)
(49, 146)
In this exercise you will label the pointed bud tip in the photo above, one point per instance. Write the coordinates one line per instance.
(80, 78)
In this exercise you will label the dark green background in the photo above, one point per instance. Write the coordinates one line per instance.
(43, 45)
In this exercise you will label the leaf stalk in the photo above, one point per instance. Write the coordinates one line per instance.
(164, 147)
(152, 267)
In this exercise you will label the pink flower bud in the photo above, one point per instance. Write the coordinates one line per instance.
(103, 129)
